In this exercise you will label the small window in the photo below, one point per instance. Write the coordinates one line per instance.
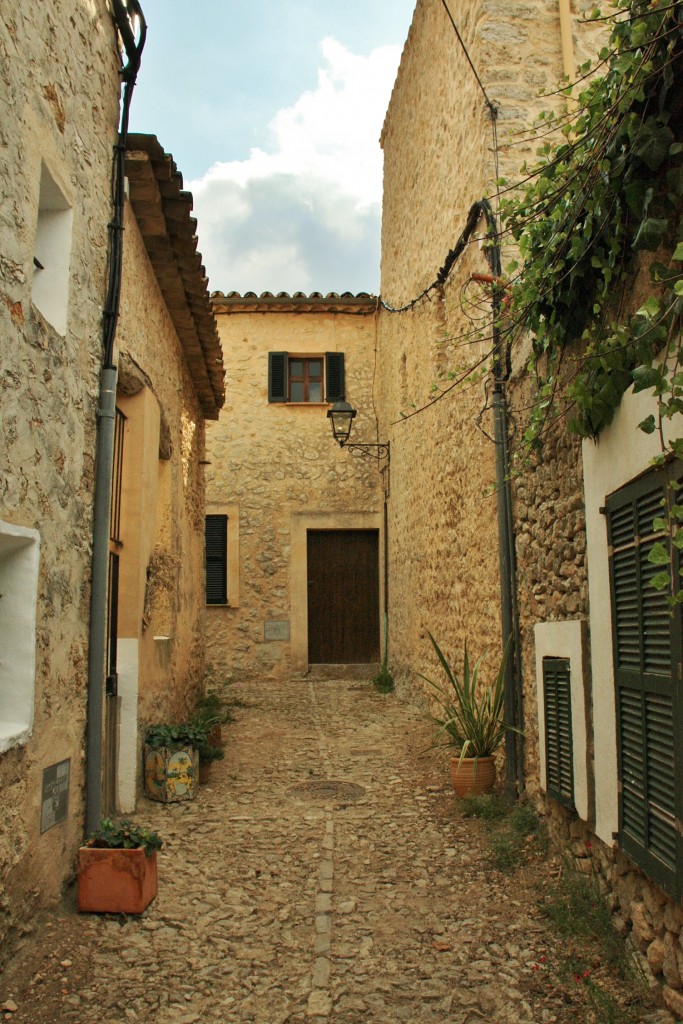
(52, 253)
(19, 560)
(300, 379)
(557, 706)
(217, 559)
(305, 380)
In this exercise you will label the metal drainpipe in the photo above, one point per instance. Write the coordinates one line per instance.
(132, 28)
(106, 417)
(514, 751)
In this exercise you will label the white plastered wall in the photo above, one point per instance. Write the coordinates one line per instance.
(622, 453)
(127, 655)
(565, 640)
(19, 564)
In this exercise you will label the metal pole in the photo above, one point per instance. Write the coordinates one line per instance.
(106, 425)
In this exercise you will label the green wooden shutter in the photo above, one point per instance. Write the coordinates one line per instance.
(335, 379)
(647, 651)
(277, 377)
(557, 705)
(217, 559)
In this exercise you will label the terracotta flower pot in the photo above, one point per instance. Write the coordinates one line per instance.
(204, 772)
(473, 775)
(116, 881)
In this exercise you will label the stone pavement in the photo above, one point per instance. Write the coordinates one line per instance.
(340, 907)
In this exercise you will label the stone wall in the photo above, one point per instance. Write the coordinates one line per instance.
(275, 465)
(438, 147)
(54, 58)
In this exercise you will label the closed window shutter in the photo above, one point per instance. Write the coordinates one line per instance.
(217, 559)
(558, 730)
(277, 377)
(335, 383)
(647, 647)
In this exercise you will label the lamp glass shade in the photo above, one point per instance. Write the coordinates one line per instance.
(341, 416)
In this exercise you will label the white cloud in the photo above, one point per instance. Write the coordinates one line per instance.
(305, 215)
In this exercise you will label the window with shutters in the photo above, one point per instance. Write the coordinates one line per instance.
(216, 559)
(306, 379)
(646, 640)
(557, 709)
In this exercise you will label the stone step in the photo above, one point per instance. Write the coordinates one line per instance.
(366, 671)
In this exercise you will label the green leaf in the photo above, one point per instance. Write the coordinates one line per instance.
(678, 252)
(660, 581)
(648, 426)
(650, 308)
(651, 233)
(658, 554)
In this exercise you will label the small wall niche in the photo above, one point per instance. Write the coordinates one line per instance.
(19, 563)
(52, 252)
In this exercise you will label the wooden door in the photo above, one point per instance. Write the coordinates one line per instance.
(343, 597)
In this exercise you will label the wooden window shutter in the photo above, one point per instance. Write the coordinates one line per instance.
(647, 648)
(335, 381)
(217, 559)
(558, 730)
(277, 377)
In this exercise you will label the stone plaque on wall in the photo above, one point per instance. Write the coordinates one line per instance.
(276, 630)
(54, 804)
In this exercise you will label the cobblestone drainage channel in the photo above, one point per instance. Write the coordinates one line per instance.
(326, 790)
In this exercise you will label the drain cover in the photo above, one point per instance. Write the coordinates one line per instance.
(326, 790)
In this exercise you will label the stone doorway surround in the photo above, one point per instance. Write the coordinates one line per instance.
(301, 524)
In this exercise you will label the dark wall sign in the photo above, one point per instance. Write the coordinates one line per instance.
(55, 801)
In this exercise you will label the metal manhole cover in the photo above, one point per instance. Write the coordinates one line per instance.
(326, 790)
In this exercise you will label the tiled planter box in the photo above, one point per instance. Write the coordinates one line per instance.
(171, 773)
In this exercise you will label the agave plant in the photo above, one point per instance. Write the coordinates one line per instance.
(471, 715)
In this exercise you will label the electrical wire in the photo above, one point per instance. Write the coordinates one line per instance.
(492, 107)
(132, 28)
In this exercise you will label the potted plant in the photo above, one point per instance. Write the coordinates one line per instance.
(117, 869)
(171, 761)
(470, 722)
(208, 753)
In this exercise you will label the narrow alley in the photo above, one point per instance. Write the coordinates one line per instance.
(281, 901)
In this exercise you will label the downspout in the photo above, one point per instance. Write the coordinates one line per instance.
(132, 28)
(514, 750)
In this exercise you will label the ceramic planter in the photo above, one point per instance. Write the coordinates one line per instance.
(171, 773)
(116, 881)
(473, 775)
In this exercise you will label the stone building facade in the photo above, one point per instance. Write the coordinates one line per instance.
(59, 103)
(276, 476)
(441, 156)
(55, 201)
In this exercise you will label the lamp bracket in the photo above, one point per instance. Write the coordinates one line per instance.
(367, 451)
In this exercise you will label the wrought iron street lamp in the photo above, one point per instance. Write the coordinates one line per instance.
(341, 417)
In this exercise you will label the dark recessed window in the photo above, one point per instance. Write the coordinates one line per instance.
(305, 380)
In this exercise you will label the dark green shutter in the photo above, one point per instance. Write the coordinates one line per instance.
(557, 705)
(277, 377)
(335, 382)
(217, 559)
(647, 652)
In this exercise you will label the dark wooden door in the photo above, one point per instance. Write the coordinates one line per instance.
(343, 597)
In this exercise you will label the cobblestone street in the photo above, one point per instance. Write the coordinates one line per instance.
(275, 907)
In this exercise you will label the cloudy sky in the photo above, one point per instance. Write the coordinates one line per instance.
(272, 110)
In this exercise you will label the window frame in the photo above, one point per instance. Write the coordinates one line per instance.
(306, 379)
(333, 387)
(647, 699)
(559, 739)
(216, 555)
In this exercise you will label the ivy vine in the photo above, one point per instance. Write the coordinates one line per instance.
(599, 211)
